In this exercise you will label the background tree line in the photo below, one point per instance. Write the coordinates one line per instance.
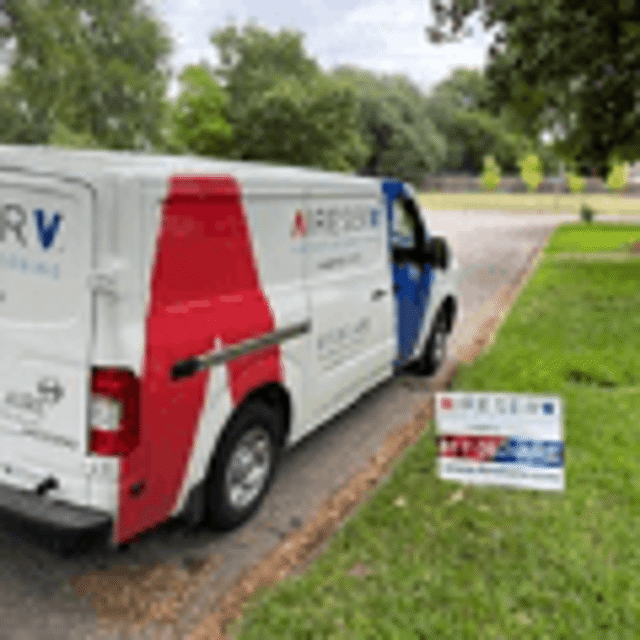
(94, 73)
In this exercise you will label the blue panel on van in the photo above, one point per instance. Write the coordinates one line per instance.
(411, 284)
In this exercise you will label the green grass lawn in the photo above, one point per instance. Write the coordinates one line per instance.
(603, 203)
(490, 563)
(593, 237)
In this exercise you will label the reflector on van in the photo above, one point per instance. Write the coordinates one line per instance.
(113, 412)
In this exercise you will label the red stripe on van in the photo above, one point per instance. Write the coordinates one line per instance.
(204, 285)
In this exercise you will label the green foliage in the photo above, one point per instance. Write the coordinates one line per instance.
(94, 67)
(459, 109)
(281, 107)
(198, 118)
(401, 138)
(618, 176)
(311, 124)
(572, 66)
(577, 183)
(552, 163)
(18, 123)
(62, 136)
(531, 171)
(490, 179)
(253, 60)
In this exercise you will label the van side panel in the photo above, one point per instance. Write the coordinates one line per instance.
(204, 290)
(349, 279)
(279, 254)
(270, 211)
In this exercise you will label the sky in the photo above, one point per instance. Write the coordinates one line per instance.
(385, 36)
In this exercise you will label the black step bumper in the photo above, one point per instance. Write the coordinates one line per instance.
(27, 509)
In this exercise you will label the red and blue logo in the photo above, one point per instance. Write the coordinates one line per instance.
(516, 451)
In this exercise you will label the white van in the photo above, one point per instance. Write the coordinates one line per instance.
(169, 324)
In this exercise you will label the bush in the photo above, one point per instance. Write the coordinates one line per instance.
(587, 213)
(490, 178)
(618, 176)
(577, 184)
(531, 171)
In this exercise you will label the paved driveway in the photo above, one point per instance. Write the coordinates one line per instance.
(39, 592)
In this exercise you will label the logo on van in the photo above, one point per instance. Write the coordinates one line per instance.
(299, 227)
(50, 391)
(14, 219)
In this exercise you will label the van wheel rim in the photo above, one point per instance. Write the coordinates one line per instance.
(249, 467)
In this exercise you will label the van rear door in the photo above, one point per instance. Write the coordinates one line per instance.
(45, 332)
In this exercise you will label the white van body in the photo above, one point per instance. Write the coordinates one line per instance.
(144, 300)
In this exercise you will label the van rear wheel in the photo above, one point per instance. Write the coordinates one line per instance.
(244, 465)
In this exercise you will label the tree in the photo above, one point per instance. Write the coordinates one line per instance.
(252, 60)
(281, 106)
(311, 124)
(459, 107)
(61, 136)
(401, 138)
(94, 70)
(568, 65)
(198, 120)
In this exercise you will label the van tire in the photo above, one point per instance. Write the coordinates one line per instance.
(254, 433)
(435, 349)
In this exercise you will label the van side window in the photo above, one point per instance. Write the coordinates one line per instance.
(403, 226)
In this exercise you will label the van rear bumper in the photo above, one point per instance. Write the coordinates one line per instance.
(19, 507)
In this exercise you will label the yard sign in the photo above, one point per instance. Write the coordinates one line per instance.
(500, 438)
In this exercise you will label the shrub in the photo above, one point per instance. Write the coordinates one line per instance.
(587, 213)
(531, 171)
(577, 184)
(618, 176)
(490, 178)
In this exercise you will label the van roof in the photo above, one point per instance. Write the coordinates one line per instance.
(88, 164)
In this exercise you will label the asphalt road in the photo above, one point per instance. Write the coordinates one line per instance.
(40, 592)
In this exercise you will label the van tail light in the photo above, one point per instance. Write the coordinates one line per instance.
(113, 412)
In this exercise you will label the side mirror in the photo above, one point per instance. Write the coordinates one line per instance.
(436, 252)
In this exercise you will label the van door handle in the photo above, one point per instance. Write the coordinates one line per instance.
(379, 293)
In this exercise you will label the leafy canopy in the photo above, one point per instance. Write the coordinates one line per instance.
(92, 70)
(281, 106)
(198, 120)
(572, 66)
(393, 119)
(459, 106)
